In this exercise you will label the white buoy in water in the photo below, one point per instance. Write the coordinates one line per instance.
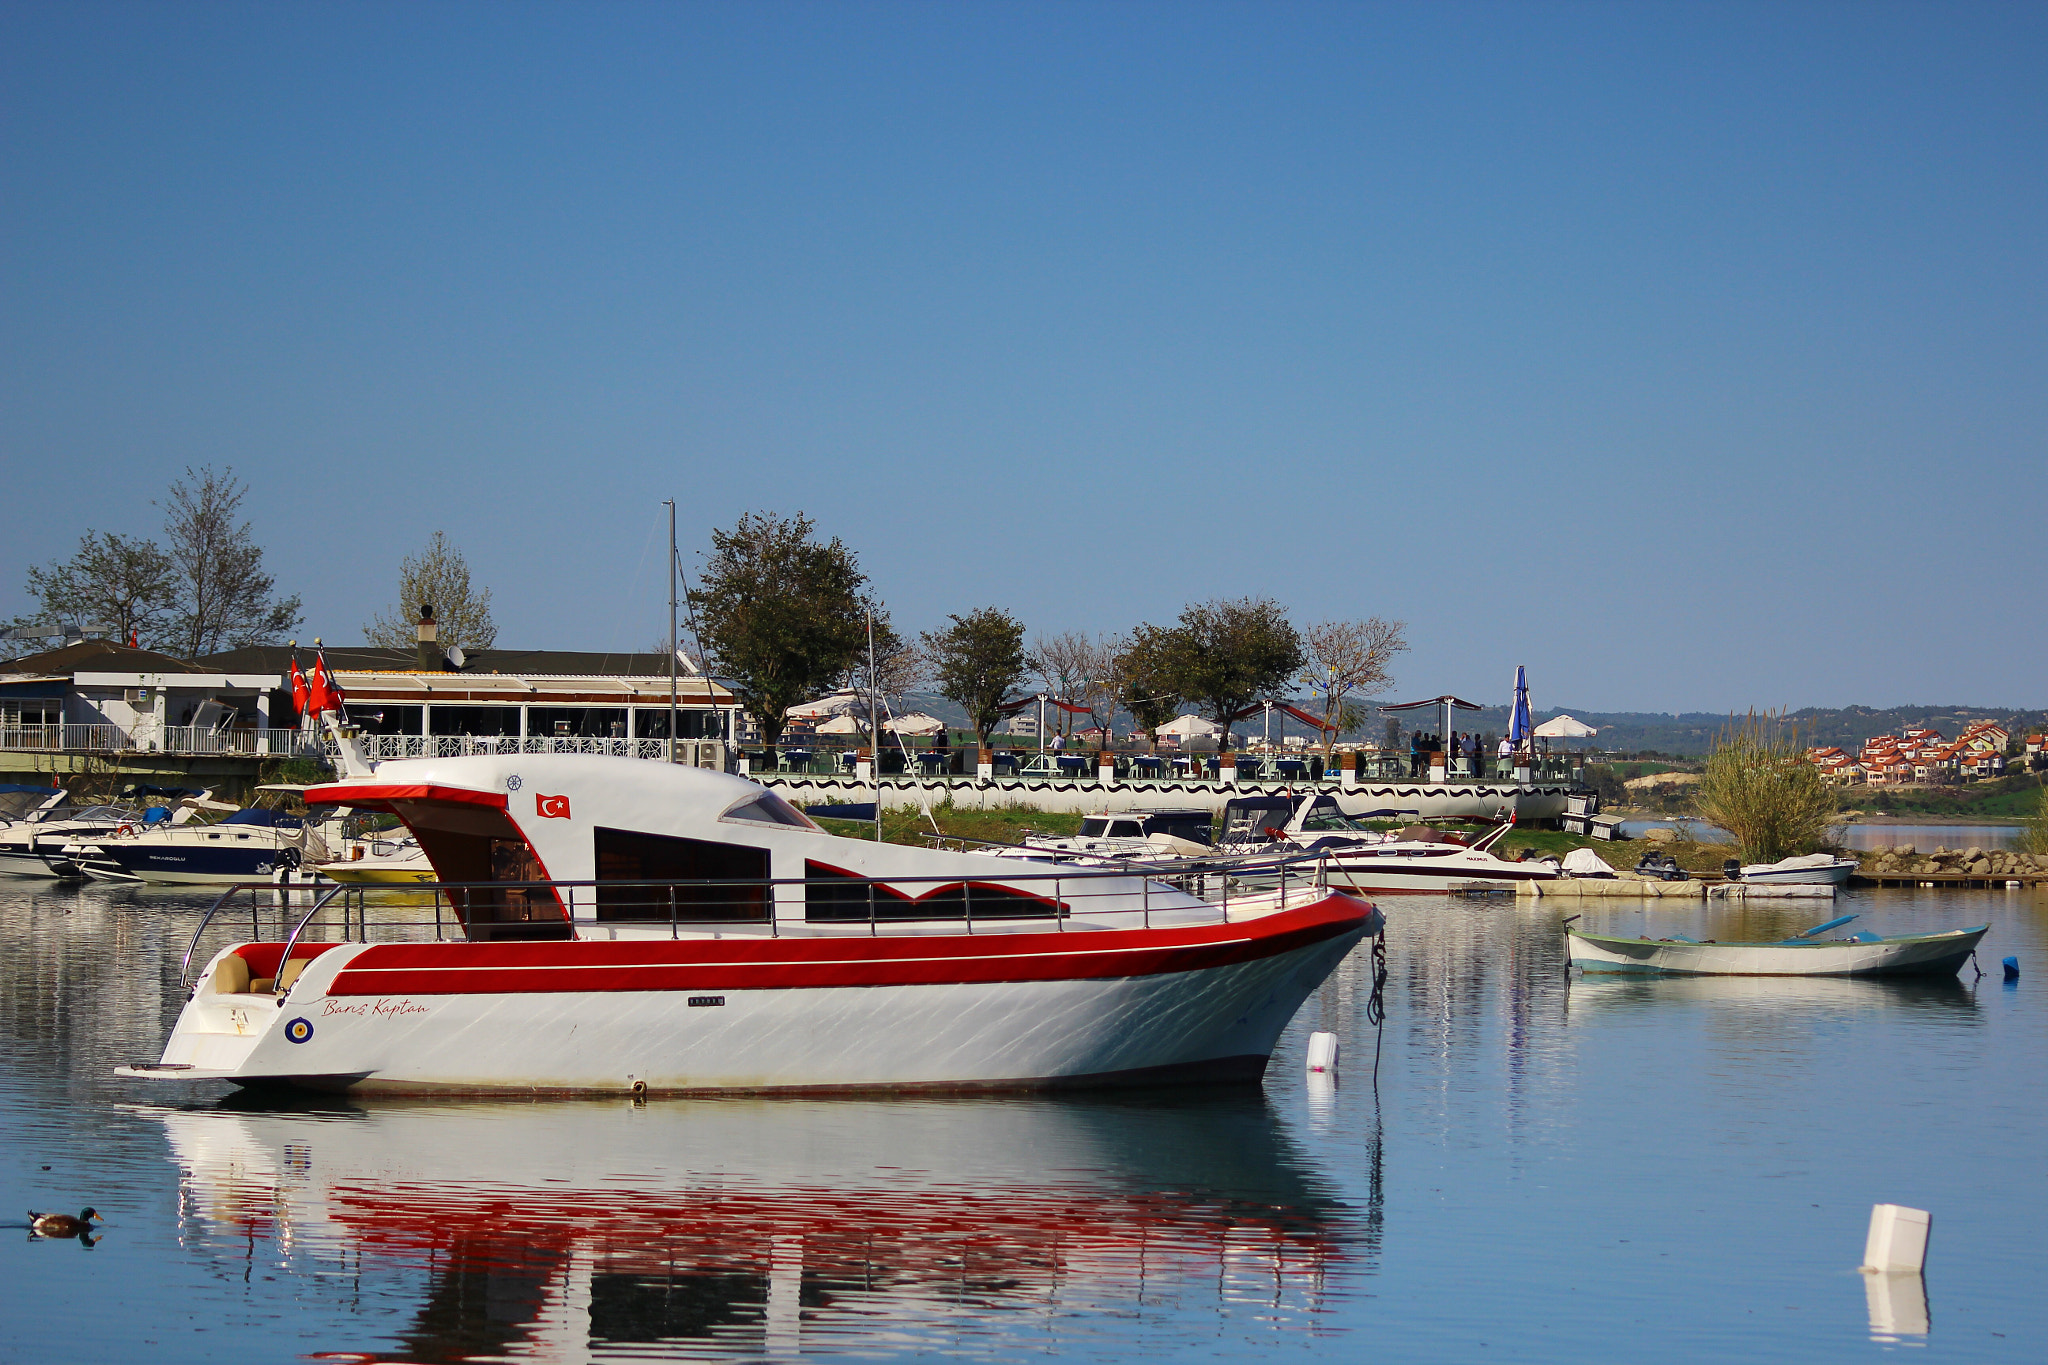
(1322, 1052)
(1898, 1238)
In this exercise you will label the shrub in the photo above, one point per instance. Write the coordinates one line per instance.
(1759, 786)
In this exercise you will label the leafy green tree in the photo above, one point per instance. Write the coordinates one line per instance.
(978, 662)
(124, 584)
(782, 614)
(225, 600)
(1144, 680)
(438, 575)
(1224, 655)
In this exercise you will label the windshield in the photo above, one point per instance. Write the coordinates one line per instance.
(1094, 829)
(1325, 818)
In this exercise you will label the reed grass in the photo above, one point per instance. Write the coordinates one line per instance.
(1759, 786)
(2034, 831)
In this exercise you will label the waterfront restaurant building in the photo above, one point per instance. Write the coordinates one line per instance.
(510, 700)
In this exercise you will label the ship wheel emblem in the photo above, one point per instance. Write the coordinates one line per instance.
(512, 783)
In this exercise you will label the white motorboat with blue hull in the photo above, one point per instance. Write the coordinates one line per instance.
(1863, 954)
(249, 845)
(35, 847)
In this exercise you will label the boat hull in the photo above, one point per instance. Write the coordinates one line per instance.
(1392, 877)
(1917, 955)
(179, 864)
(753, 1013)
(1837, 875)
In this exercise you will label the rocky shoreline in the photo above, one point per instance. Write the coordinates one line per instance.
(1967, 862)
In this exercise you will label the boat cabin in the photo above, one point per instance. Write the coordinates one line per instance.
(560, 846)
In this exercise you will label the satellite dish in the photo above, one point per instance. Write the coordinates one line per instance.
(456, 656)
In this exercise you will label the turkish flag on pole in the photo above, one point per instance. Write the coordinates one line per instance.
(318, 698)
(300, 692)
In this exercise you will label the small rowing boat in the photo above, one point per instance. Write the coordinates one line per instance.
(1805, 954)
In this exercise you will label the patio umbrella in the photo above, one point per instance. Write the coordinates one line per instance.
(916, 723)
(1565, 727)
(1519, 728)
(848, 724)
(1189, 726)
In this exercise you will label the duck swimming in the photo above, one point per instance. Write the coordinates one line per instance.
(63, 1224)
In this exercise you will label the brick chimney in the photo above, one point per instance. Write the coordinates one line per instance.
(430, 650)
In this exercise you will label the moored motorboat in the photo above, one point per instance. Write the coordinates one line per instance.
(629, 926)
(1808, 869)
(248, 844)
(1367, 860)
(1862, 954)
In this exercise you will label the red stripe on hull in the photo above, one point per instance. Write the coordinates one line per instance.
(710, 965)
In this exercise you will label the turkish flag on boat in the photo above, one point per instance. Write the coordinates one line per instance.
(300, 692)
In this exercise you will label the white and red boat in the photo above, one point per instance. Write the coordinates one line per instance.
(615, 924)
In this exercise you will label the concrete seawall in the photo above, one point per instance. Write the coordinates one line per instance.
(1421, 800)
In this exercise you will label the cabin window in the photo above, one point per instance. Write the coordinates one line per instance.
(769, 809)
(688, 869)
(1125, 829)
(832, 893)
(1094, 829)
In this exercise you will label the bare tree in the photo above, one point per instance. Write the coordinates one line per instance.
(114, 581)
(1344, 663)
(1067, 663)
(439, 575)
(900, 665)
(226, 596)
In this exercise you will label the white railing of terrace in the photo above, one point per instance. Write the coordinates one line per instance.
(175, 739)
(698, 753)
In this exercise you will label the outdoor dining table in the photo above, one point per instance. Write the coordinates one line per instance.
(1147, 764)
(1291, 767)
(792, 759)
(1070, 763)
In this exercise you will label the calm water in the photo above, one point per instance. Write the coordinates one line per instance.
(1612, 1170)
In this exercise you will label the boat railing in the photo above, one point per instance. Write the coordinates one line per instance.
(1128, 895)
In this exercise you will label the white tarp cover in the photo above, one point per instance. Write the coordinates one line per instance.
(1564, 727)
(1189, 726)
(1584, 862)
(916, 723)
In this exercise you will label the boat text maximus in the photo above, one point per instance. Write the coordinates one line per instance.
(624, 925)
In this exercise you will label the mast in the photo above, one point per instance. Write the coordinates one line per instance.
(875, 725)
(673, 644)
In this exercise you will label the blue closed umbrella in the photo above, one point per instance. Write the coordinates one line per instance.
(1519, 726)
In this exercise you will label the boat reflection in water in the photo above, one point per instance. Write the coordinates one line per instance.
(744, 1227)
(1771, 994)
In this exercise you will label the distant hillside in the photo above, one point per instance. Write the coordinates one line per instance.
(1846, 727)
(1689, 734)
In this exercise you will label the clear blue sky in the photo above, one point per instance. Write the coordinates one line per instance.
(1692, 355)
